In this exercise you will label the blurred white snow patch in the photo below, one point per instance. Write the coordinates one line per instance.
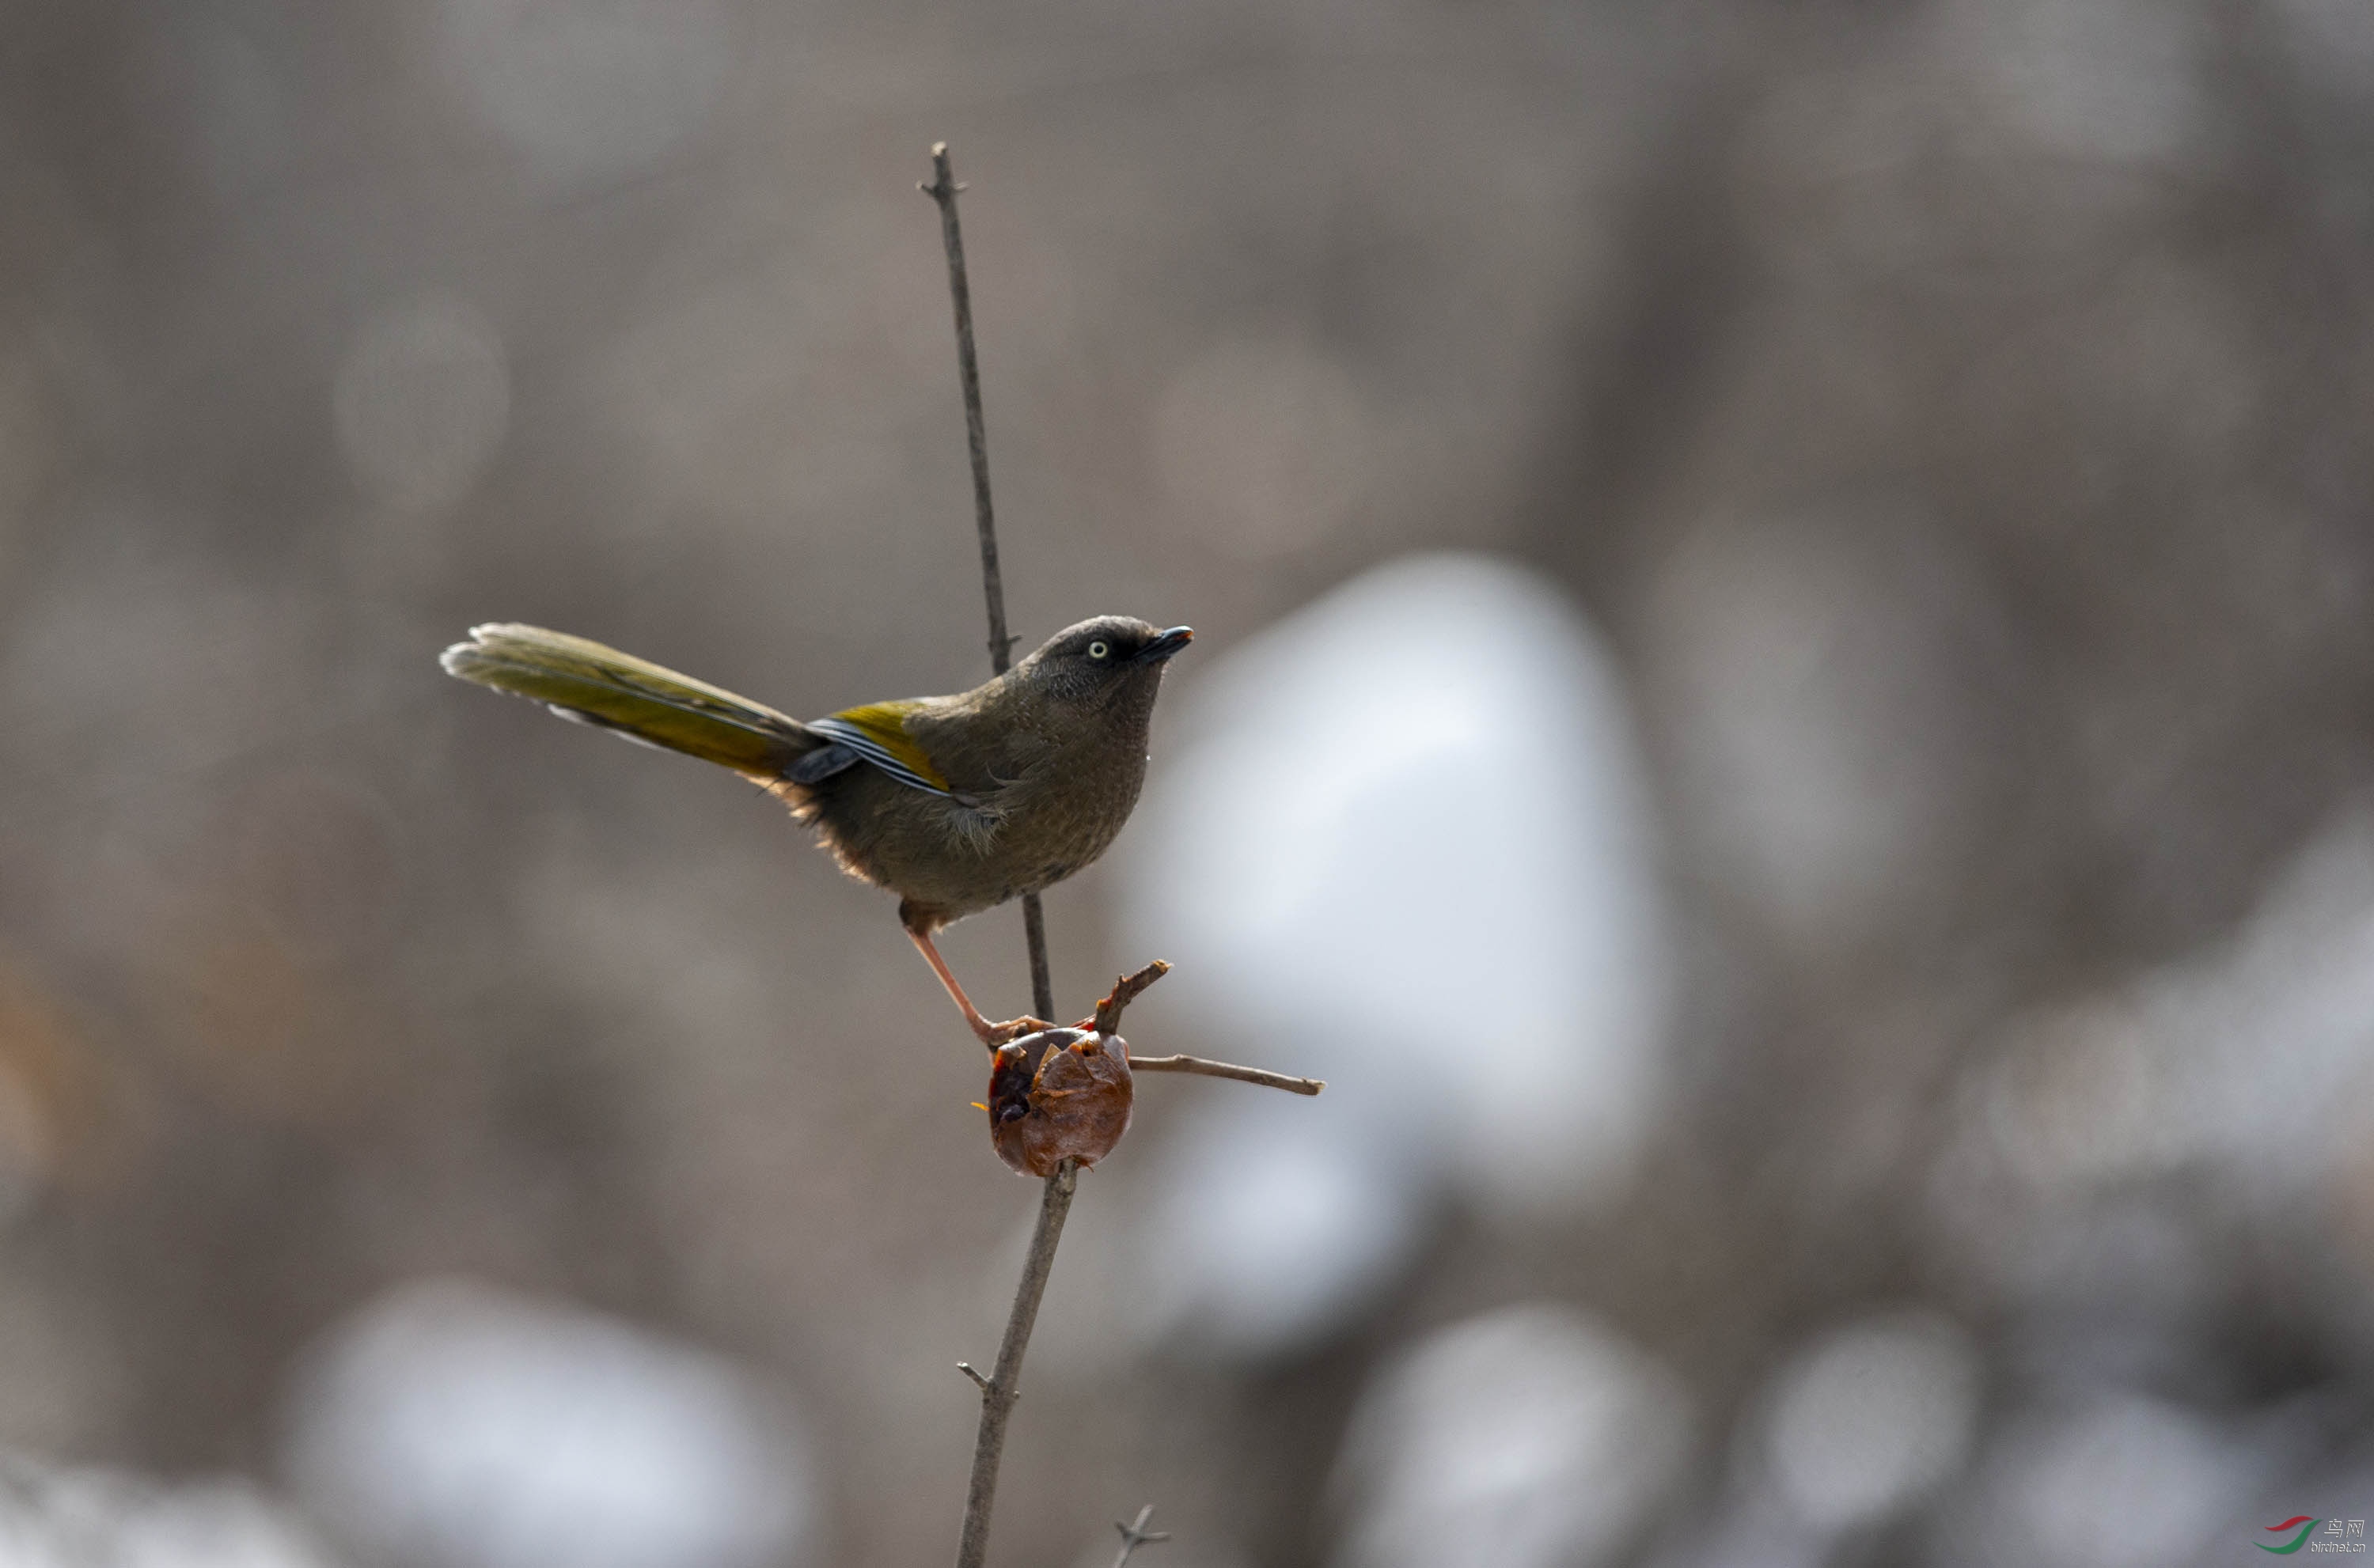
(1271, 1229)
(2253, 1055)
(453, 1425)
(1401, 843)
(1871, 1418)
(589, 90)
(1526, 1437)
(422, 400)
(2125, 1483)
(54, 1517)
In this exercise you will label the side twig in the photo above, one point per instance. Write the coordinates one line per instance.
(1130, 987)
(1127, 989)
(1196, 1064)
(1135, 1535)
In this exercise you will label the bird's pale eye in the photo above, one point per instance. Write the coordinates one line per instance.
(1098, 650)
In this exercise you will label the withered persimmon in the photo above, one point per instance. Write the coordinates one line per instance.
(1059, 1094)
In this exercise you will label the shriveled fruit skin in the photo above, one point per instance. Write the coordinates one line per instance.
(1056, 1095)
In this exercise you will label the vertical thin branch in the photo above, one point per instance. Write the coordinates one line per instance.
(1042, 980)
(1004, 1384)
(943, 190)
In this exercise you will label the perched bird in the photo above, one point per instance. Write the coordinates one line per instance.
(955, 803)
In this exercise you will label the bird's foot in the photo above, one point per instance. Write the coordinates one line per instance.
(992, 1034)
(995, 1035)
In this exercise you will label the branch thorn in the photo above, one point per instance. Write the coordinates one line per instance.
(1136, 1535)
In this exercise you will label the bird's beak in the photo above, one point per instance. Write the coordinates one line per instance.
(1163, 646)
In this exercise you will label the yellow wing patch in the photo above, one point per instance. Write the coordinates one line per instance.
(884, 724)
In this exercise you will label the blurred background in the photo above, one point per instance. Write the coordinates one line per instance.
(1782, 704)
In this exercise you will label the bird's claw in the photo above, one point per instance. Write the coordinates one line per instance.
(996, 1034)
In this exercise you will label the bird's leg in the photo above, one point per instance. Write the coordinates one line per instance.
(991, 1035)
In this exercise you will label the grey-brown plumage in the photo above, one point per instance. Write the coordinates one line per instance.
(955, 803)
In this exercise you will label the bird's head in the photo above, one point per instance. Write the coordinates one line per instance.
(1093, 663)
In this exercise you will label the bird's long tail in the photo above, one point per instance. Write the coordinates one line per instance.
(583, 680)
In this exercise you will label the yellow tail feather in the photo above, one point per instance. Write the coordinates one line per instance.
(578, 678)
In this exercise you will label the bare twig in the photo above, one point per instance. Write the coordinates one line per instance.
(1004, 1384)
(1125, 990)
(1128, 989)
(1034, 936)
(1196, 1064)
(1135, 1534)
(943, 190)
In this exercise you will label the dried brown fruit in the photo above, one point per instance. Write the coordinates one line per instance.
(1059, 1094)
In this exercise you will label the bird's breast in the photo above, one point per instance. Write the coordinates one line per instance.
(1002, 835)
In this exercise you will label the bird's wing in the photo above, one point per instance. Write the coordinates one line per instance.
(878, 732)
